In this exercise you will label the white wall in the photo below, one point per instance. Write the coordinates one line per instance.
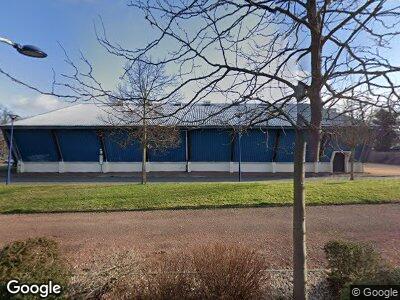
(38, 167)
(109, 167)
(71, 167)
(210, 166)
(324, 167)
(166, 166)
(358, 167)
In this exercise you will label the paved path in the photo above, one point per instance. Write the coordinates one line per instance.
(118, 178)
(371, 170)
(383, 170)
(266, 229)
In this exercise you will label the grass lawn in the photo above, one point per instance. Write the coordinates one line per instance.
(57, 198)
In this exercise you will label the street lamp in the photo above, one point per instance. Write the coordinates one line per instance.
(27, 50)
(13, 118)
(239, 115)
(240, 155)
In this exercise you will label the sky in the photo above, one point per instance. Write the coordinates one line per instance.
(70, 23)
(49, 24)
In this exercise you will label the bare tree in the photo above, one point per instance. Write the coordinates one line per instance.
(4, 115)
(257, 50)
(357, 134)
(4, 119)
(267, 52)
(137, 112)
(354, 130)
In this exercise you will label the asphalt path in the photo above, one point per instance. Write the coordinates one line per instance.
(268, 230)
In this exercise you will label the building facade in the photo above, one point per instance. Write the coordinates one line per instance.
(76, 139)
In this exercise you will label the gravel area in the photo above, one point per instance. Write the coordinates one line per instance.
(282, 284)
(269, 230)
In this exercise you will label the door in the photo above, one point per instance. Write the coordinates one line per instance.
(339, 163)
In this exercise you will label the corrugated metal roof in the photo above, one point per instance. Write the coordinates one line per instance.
(202, 115)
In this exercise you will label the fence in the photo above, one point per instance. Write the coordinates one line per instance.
(392, 158)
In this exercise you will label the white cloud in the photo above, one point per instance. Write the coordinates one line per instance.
(29, 106)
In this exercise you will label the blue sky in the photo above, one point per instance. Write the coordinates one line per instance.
(45, 23)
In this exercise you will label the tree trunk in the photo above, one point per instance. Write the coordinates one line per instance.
(315, 132)
(353, 150)
(299, 221)
(314, 91)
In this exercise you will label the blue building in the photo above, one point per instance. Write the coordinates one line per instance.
(77, 139)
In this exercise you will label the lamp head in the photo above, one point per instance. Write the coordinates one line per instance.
(30, 50)
(13, 116)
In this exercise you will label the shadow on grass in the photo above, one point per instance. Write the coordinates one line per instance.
(197, 207)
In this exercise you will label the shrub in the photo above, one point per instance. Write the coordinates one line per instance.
(168, 278)
(350, 262)
(32, 261)
(106, 277)
(229, 272)
(128, 276)
(212, 272)
(216, 272)
(385, 276)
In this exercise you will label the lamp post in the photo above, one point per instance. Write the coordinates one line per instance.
(240, 154)
(27, 50)
(239, 117)
(8, 179)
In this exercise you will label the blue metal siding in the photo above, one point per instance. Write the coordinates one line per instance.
(257, 146)
(35, 145)
(285, 146)
(210, 145)
(79, 145)
(329, 148)
(326, 154)
(177, 153)
(333, 145)
(358, 153)
(118, 150)
(307, 139)
(328, 145)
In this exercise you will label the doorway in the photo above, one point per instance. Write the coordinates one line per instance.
(339, 162)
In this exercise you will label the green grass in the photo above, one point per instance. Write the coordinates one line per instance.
(58, 198)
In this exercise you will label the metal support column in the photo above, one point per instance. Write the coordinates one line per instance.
(187, 150)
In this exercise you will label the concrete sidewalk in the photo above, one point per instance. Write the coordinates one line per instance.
(371, 170)
(50, 178)
(269, 230)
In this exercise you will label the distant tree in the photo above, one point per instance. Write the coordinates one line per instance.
(139, 114)
(4, 115)
(354, 129)
(4, 119)
(387, 125)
